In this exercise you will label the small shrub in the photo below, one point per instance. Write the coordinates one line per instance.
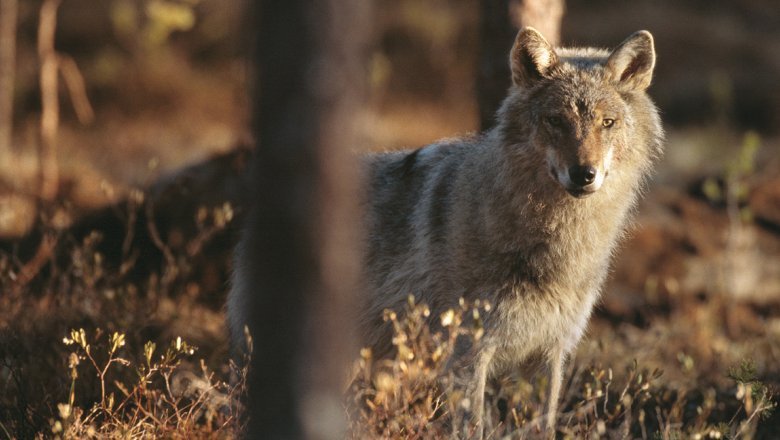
(416, 394)
(162, 399)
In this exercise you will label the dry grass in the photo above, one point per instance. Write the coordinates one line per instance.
(414, 395)
(671, 353)
(666, 362)
(162, 400)
(122, 370)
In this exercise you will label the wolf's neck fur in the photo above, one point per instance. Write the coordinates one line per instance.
(523, 214)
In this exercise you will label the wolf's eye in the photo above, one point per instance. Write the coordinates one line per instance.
(554, 121)
(606, 123)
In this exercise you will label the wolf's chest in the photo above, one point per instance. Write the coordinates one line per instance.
(528, 326)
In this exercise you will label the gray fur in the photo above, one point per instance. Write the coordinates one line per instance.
(498, 217)
(490, 217)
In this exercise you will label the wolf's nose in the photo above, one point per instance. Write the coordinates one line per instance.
(582, 175)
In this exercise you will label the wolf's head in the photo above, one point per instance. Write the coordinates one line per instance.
(576, 105)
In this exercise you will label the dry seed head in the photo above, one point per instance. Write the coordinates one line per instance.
(740, 390)
(384, 382)
(223, 215)
(64, 409)
(447, 318)
(149, 348)
(73, 360)
(413, 371)
(117, 341)
(400, 339)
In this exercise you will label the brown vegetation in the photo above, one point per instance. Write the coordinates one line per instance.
(695, 290)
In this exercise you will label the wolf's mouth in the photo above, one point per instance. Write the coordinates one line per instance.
(579, 192)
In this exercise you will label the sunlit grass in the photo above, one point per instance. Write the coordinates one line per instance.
(416, 395)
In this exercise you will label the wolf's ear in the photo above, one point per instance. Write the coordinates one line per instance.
(632, 62)
(531, 57)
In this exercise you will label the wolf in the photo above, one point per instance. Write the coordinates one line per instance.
(525, 216)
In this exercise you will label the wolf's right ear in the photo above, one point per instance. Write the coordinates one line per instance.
(531, 57)
(631, 64)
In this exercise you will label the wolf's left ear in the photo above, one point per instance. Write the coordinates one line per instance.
(631, 64)
(531, 57)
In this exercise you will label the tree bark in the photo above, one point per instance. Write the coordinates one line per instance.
(8, 17)
(499, 22)
(496, 35)
(302, 236)
(50, 107)
(544, 15)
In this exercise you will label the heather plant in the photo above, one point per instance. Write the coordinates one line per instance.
(415, 395)
(161, 398)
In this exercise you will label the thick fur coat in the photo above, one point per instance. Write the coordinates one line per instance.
(526, 215)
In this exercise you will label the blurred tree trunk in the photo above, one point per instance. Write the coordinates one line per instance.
(8, 18)
(544, 15)
(499, 22)
(302, 234)
(496, 36)
(50, 107)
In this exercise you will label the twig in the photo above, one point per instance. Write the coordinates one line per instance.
(171, 269)
(36, 263)
(74, 81)
(744, 425)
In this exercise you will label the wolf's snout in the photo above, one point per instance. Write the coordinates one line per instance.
(582, 175)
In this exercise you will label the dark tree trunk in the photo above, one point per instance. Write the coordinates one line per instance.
(302, 233)
(499, 22)
(8, 18)
(496, 34)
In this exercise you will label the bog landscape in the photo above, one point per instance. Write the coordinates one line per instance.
(122, 195)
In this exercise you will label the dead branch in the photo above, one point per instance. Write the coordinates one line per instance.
(42, 256)
(77, 89)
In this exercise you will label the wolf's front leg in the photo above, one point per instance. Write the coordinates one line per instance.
(555, 360)
(476, 395)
